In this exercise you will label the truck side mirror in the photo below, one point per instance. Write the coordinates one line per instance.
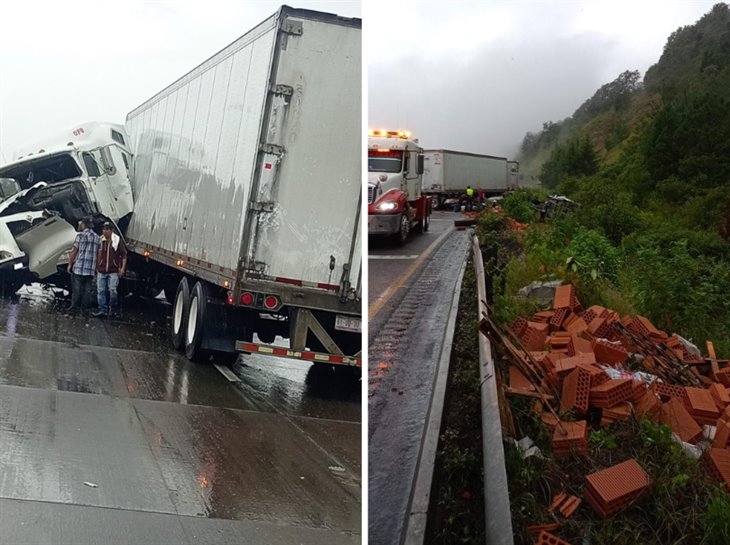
(419, 166)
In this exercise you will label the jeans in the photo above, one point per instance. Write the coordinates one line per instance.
(104, 282)
(80, 296)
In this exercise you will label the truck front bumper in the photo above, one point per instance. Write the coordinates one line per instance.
(383, 224)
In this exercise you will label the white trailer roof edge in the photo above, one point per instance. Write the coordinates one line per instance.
(241, 42)
(465, 153)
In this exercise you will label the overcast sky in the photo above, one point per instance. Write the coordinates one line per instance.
(476, 76)
(66, 62)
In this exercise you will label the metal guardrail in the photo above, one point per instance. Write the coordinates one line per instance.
(498, 518)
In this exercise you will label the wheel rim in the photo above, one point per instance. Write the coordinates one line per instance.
(177, 318)
(192, 319)
(404, 227)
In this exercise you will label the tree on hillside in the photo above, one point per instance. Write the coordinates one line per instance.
(575, 158)
(611, 95)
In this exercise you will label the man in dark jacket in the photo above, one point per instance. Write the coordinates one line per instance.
(111, 264)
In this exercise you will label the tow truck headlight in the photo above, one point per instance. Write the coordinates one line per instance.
(387, 206)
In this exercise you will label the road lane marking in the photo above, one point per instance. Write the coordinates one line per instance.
(226, 372)
(401, 281)
(376, 256)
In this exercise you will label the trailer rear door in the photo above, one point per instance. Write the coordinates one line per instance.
(307, 196)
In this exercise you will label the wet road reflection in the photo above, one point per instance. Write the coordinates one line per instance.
(108, 403)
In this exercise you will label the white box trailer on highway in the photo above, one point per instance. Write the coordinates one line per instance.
(246, 182)
(447, 173)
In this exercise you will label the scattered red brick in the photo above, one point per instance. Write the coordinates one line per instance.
(573, 441)
(610, 353)
(675, 415)
(717, 463)
(576, 391)
(546, 538)
(722, 434)
(537, 528)
(720, 395)
(570, 506)
(612, 489)
(701, 405)
(575, 324)
(534, 336)
(519, 381)
(667, 391)
(558, 501)
(649, 406)
(564, 296)
(610, 393)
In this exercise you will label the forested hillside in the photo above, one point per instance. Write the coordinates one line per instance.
(649, 163)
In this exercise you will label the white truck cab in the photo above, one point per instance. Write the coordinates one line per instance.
(51, 184)
(395, 171)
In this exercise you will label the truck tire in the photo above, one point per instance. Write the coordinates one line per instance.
(180, 307)
(195, 324)
(404, 230)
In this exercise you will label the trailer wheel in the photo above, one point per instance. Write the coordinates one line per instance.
(180, 307)
(195, 326)
(403, 230)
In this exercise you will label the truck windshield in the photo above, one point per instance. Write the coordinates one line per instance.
(385, 161)
(47, 169)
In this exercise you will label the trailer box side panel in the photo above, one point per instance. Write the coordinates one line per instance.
(312, 177)
(196, 147)
(461, 170)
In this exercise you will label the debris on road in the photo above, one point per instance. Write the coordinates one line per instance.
(91, 485)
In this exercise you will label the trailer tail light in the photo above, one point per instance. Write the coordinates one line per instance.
(179, 262)
(229, 298)
(271, 302)
(146, 253)
(246, 298)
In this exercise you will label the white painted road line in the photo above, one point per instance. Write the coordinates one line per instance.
(375, 256)
(226, 372)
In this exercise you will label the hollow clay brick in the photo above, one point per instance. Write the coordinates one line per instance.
(576, 391)
(574, 440)
(519, 381)
(546, 538)
(701, 405)
(722, 435)
(610, 353)
(610, 393)
(720, 395)
(667, 391)
(610, 490)
(675, 415)
(717, 463)
(563, 297)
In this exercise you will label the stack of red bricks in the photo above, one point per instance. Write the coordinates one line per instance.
(571, 344)
(610, 490)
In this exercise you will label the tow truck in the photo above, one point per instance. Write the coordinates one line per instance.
(396, 205)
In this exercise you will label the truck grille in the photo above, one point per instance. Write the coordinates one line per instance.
(371, 194)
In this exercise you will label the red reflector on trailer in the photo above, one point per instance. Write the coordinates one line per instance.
(229, 299)
(246, 298)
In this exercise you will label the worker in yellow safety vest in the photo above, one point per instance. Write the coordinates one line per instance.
(469, 197)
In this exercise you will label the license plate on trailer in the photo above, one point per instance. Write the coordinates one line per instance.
(348, 323)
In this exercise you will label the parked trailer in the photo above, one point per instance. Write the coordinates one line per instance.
(247, 193)
(447, 174)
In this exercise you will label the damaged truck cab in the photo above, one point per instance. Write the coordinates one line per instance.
(51, 185)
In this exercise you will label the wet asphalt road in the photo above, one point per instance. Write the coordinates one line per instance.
(109, 437)
(404, 347)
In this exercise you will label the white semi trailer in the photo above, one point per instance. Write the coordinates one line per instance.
(246, 184)
(447, 174)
